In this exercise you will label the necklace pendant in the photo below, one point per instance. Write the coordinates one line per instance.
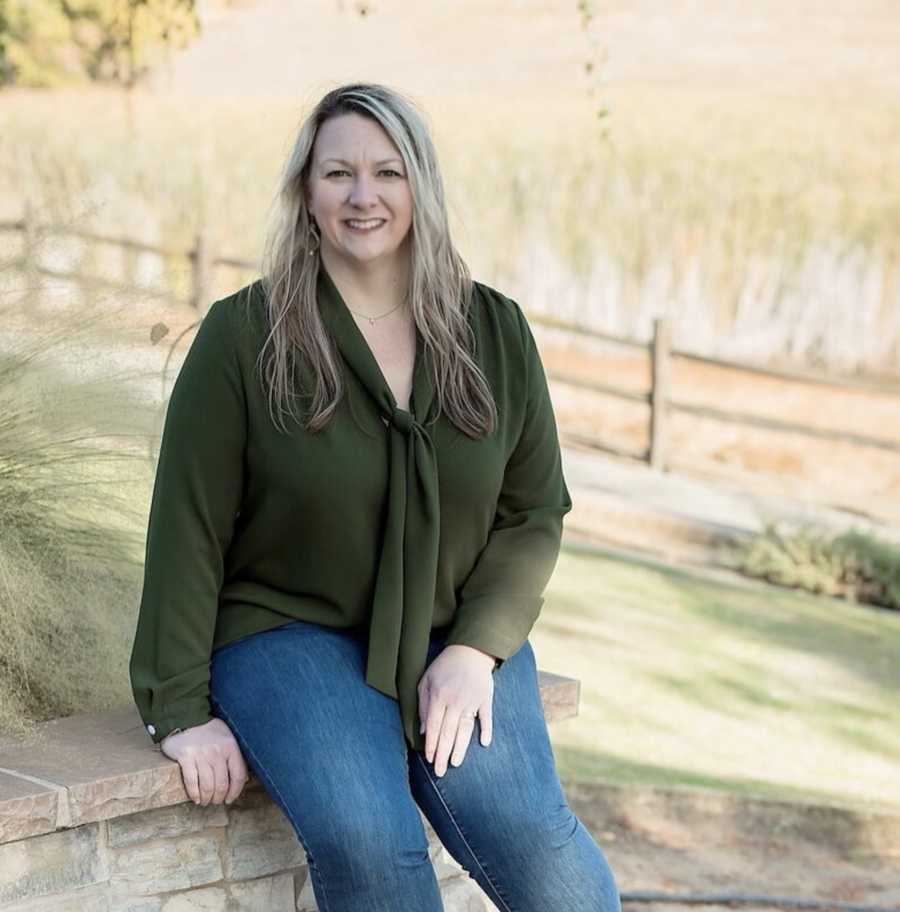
(371, 322)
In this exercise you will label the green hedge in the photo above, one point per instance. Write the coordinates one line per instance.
(854, 565)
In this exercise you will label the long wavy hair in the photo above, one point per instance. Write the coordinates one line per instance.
(440, 289)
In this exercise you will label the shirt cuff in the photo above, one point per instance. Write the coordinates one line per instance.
(177, 717)
(477, 632)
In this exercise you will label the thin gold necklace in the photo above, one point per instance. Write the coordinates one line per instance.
(373, 319)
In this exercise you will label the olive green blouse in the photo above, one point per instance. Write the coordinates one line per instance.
(388, 519)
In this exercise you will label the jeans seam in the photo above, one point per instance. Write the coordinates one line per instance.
(462, 836)
(286, 805)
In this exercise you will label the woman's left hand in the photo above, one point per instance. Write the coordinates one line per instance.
(457, 684)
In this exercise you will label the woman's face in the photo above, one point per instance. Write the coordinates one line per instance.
(357, 173)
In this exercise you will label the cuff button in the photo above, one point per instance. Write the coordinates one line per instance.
(151, 729)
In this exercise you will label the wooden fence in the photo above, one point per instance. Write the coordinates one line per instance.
(662, 404)
(659, 399)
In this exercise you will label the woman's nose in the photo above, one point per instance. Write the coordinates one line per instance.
(363, 191)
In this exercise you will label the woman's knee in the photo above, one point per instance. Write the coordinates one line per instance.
(359, 845)
(538, 829)
(567, 856)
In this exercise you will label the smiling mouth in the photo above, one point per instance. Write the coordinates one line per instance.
(363, 226)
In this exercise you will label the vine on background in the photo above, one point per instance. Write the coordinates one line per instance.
(598, 56)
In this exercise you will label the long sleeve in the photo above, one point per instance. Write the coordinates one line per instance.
(503, 595)
(196, 497)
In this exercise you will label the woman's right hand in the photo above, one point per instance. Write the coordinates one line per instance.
(212, 765)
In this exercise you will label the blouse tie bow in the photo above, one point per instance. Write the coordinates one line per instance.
(406, 578)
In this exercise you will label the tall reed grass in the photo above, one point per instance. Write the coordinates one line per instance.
(767, 226)
(74, 473)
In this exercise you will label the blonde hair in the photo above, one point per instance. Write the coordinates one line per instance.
(440, 289)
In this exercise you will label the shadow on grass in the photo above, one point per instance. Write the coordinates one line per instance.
(775, 662)
(863, 639)
(578, 765)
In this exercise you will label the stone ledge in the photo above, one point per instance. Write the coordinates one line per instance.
(99, 766)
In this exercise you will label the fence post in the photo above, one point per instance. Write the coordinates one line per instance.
(659, 392)
(201, 270)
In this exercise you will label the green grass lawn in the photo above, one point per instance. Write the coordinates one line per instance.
(692, 681)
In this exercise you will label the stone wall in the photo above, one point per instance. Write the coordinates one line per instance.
(94, 818)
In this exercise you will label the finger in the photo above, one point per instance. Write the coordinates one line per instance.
(463, 737)
(487, 724)
(433, 722)
(237, 774)
(445, 741)
(207, 780)
(424, 700)
(220, 777)
(190, 779)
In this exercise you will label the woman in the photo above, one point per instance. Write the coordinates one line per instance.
(336, 602)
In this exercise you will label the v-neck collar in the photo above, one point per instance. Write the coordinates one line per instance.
(358, 354)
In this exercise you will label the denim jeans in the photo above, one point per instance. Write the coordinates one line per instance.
(330, 751)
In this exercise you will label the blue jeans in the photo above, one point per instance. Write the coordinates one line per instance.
(330, 751)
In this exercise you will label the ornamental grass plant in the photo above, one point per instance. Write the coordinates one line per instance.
(73, 458)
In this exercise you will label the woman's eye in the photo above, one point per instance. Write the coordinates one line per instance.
(383, 171)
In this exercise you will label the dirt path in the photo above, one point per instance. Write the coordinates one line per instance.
(695, 841)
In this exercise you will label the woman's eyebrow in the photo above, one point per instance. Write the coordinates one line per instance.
(342, 161)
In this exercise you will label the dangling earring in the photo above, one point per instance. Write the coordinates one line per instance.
(312, 238)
